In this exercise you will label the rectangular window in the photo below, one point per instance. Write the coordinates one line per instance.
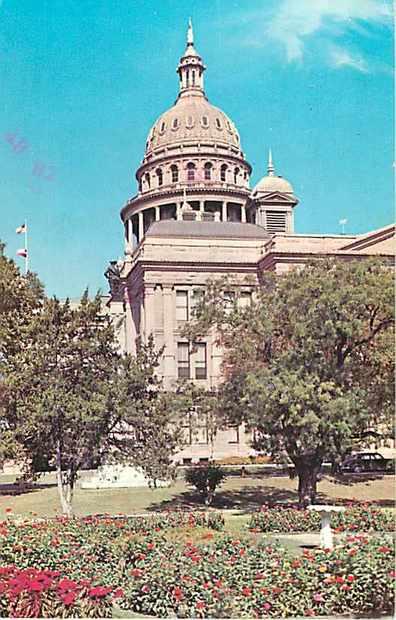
(245, 299)
(183, 360)
(229, 299)
(200, 360)
(181, 305)
(234, 430)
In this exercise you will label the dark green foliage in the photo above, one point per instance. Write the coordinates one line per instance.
(309, 365)
(205, 478)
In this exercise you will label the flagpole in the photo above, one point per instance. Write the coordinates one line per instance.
(27, 249)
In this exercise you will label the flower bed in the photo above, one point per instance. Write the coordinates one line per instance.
(33, 593)
(175, 565)
(354, 519)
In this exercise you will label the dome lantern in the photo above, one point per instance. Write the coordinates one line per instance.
(191, 67)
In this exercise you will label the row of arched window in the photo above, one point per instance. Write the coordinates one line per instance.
(193, 174)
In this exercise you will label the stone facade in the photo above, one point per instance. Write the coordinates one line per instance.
(195, 218)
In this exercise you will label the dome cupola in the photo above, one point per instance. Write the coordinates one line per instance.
(273, 201)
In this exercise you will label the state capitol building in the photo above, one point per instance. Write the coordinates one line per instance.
(195, 217)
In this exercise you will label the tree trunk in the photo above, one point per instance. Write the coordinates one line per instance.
(65, 490)
(307, 470)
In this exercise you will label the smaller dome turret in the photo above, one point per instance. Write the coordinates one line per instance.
(273, 201)
(272, 182)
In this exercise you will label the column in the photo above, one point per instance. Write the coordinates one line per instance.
(169, 303)
(149, 309)
(179, 215)
(142, 330)
(157, 214)
(202, 205)
(141, 226)
(243, 213)
(224, 211)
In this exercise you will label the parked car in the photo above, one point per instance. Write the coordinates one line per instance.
(365, 462)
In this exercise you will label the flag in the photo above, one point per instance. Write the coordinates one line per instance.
(22, 252)
(21, 229)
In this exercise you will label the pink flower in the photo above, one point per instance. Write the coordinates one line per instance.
(267, 606)
(318, 598)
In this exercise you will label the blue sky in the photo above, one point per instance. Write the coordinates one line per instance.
(82, 81)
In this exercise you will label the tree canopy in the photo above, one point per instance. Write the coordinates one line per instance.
(309, 364)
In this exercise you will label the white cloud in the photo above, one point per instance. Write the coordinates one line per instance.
(341, 57)
(296, 20)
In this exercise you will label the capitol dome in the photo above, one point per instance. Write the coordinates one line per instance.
(193, 166)
(192, 118)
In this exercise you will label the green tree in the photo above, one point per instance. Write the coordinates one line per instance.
(76, 400)
(21, 296)
(147, 432)
(59, 385)
(309, 364)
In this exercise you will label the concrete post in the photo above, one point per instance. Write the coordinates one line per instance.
(243, 213)
(157, 214)
(224, 214)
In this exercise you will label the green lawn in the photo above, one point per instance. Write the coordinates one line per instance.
(241, 495)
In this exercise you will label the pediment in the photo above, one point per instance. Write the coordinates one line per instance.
(275, 197)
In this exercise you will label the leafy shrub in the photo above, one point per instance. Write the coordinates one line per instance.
(355, 518)
(206, 479)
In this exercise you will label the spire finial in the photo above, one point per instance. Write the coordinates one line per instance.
(271, 169)
(190, 33)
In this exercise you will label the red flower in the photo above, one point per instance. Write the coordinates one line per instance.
(178, 594)
(392, 573)
(384, 549)
(69, 598)
(67, 584)
(267, 606)
(8, 509)
(99, 592)
(119, 593)
(351, 578)
(200, 605)
(276, 590)
(246, 591)
(146, 588)
(136, 572)
(242, 551)
(339, 579)
(150, 546)
(345, 587)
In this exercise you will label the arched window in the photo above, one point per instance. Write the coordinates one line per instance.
(223, 172)
(236, 173)
(140, 184)
(175, 173)
(189, 122)
(190, 172)
(205, 121)
(193, 78)
(160, 177)
(163, 125)
(208, 171)
(175, 123)
(218, 123)
(187, 78)
(147, 177)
